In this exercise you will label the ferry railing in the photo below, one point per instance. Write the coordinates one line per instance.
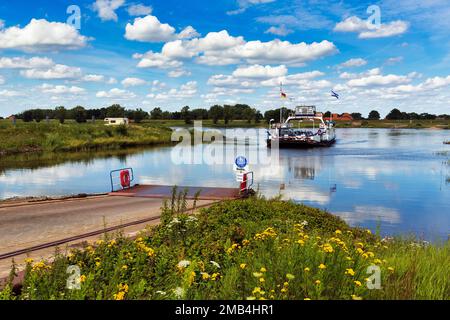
(115, 176)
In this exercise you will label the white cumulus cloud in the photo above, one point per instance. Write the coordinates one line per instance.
(137, 10)
(42, 35)
(60, 89)
(106, 9)
(220, 48)
(132, 82)
(260, 72)
(281, 31)
(366, 30)
(149, 29)
(355, 62)
(23, 63)
(57, 71)
(93, 78)
(117, 94)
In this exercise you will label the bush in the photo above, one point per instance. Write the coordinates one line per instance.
(249, 249)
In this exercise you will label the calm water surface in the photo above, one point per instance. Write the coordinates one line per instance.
(396, 179)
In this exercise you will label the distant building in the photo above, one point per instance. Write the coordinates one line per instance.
(343, 117)
(116, 121)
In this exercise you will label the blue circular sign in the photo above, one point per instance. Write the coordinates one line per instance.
(241, 162)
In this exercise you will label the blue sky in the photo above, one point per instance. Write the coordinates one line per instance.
(173, 53)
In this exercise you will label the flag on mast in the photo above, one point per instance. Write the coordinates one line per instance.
(283, 95)
(334, 94)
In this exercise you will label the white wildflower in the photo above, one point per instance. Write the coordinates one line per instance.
(179, 292)
(215, 264)
(184, 264)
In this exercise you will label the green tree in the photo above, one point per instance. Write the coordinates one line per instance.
(38, 115)
(374, 115)
(227, 113)
(215, 113)
(395, 114)
(258, 117)
(27, 116)
(115, 111)
(79, 114)
(156, 114)
(139, 115)
(248, 114)
(60, 114)
(186, 115)
(357, 116)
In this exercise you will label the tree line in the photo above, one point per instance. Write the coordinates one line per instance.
(216, 113)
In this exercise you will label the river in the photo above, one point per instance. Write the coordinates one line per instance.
(397, 180)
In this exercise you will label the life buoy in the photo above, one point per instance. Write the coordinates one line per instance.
(125, 179)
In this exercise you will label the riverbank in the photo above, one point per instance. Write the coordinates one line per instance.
(388, 124)
(53, 136)
(248, 249)
(27, 138)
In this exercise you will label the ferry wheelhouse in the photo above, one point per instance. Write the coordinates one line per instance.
(286, 134)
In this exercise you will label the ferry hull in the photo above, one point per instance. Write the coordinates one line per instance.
(302, 144)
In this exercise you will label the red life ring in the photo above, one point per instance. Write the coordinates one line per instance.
(125, 179)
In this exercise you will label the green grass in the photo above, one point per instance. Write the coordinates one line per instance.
(50, 137)
(249, 249)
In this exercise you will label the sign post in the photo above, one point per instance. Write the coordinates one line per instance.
(241, 169)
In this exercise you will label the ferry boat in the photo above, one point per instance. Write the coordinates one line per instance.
(287, 135)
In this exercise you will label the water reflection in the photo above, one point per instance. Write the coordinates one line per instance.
(397, 179)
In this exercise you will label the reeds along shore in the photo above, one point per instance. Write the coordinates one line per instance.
(53, 136)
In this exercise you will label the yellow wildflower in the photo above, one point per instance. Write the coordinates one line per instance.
(245, 242)
(119, 296)
(307, 299)
(290, 276)
(328, 248)
(338, 232)
(358, 283)
(256, 290)
(205, 276)
(29, 261)
(355, 297)
(350, 272)
(322, 266)
(191, 277)
(215, 276)
(284, 290)
(243, 266)
(377, 261)
(262, 280)
(390, 269)
(82, 278)
(301, 242)
(251, 298)
(317, 282)
(263, 269)
(124, 267)
(257, 274)
(307, 269)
